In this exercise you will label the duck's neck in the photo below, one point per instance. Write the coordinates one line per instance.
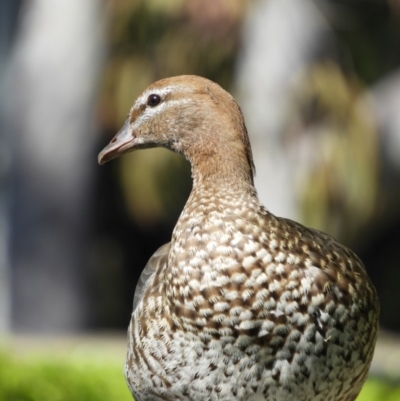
(220, 168)
(222, 185)
(215, 198)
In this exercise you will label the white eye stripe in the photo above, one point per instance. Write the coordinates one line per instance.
(147, 114)
(162, 92)
(150, 112)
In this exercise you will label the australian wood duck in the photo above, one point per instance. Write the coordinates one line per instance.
(241, 304)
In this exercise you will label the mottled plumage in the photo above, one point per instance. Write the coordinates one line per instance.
(241, 305)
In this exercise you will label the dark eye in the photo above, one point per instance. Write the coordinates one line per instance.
(153, 100)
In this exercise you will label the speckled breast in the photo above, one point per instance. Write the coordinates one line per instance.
(252, 307)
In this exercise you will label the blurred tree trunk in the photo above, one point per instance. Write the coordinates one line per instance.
(8, 18)
(281, 39)
(383, 252)
(386, 98)
(55, 67)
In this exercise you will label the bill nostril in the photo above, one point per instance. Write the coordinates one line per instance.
(113, 140)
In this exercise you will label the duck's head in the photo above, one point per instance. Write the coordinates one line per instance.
(192, 116)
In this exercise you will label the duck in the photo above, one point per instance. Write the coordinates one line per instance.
(240, 304)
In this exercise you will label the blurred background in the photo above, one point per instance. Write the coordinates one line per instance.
(319, 85)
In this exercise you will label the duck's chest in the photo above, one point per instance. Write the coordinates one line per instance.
(237, 315)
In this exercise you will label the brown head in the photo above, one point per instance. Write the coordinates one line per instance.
(192, 116)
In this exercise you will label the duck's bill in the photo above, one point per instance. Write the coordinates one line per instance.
(122, 142)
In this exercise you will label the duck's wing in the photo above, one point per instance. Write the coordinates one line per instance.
(159, 258)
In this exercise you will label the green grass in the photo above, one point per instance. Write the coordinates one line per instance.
(32, 379)
(379, 390)
(64, 378)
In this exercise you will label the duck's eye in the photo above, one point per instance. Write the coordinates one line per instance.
(153, 100)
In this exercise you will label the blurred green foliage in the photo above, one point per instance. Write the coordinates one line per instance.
(338, 182)
(379, 390)
(68, 379)
(61, 379)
